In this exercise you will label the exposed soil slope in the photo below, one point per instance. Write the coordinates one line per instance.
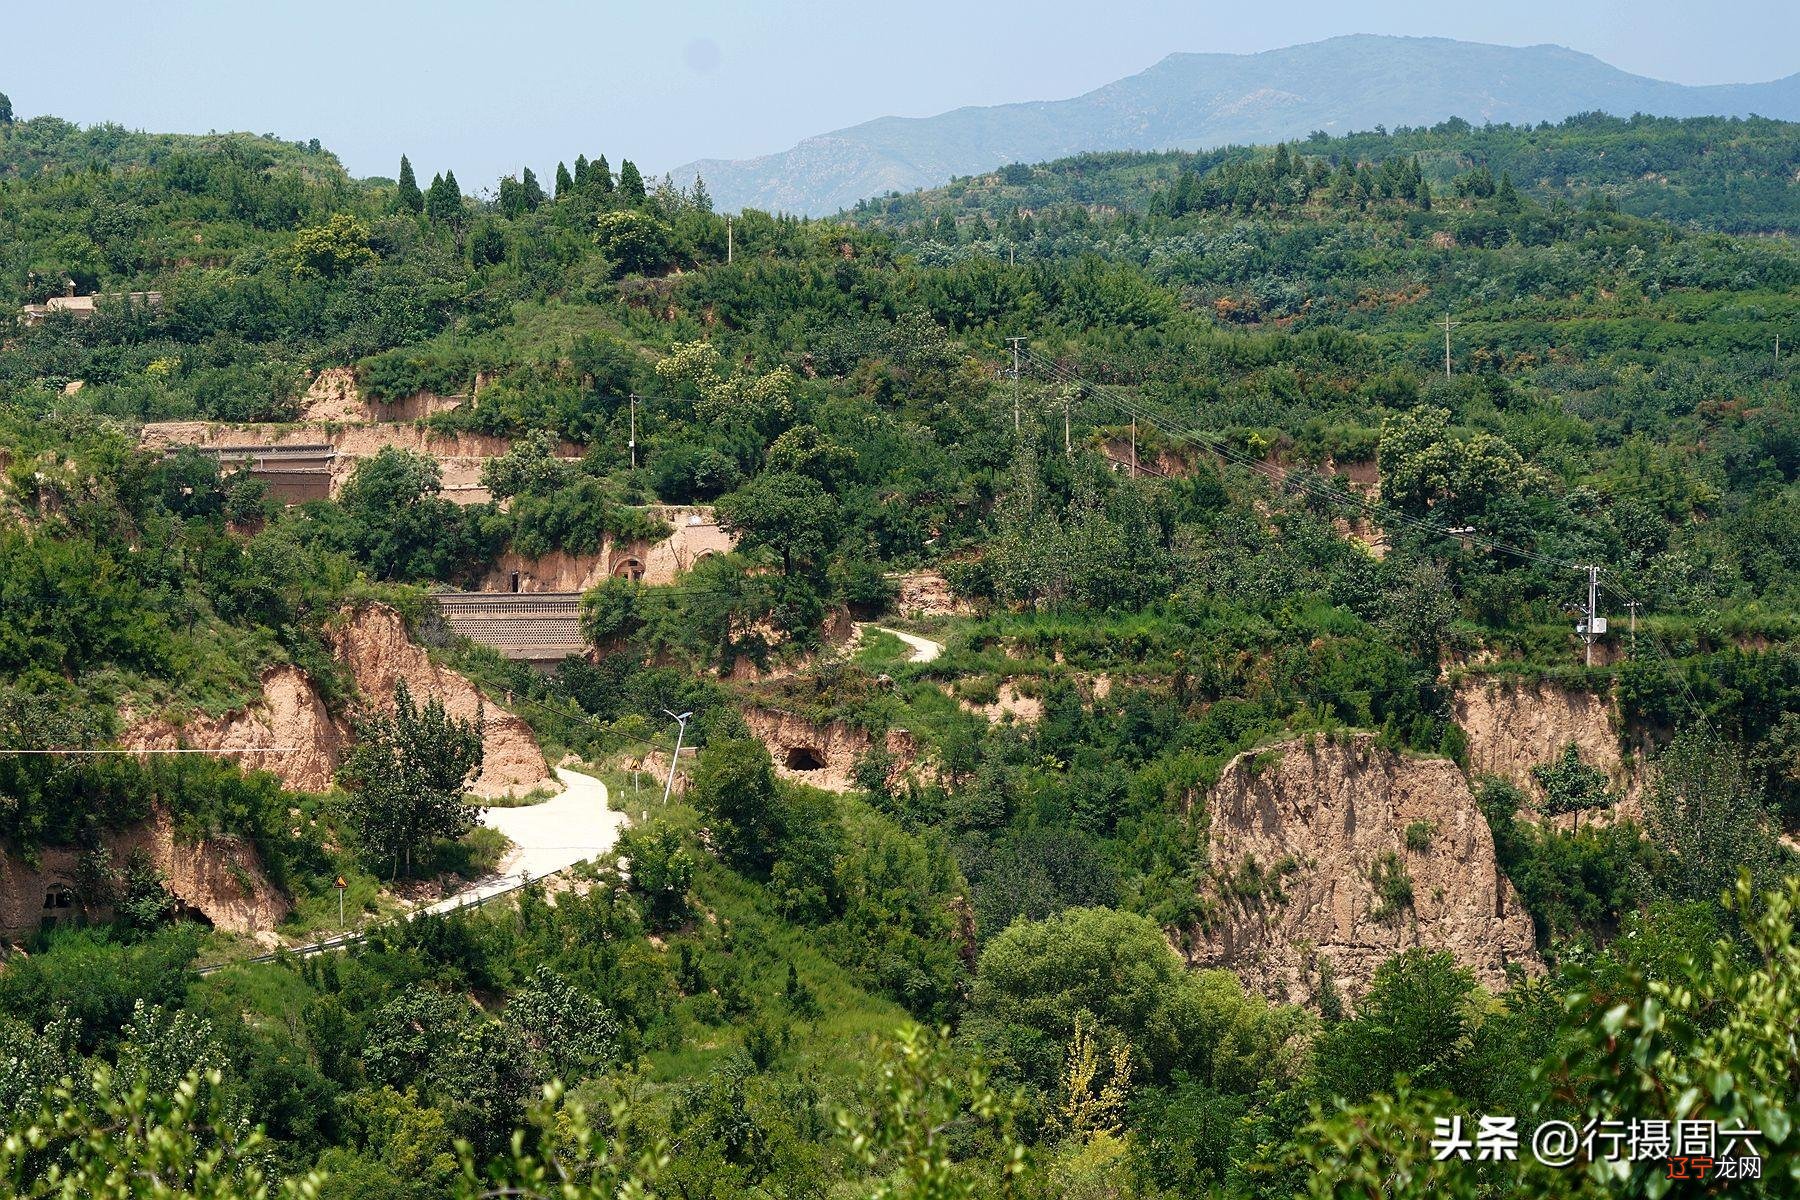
(219, 878)
(1514, 725)
(372, 641)
(1300, 837)
(310, 741)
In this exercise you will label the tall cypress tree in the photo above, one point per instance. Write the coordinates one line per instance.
(600, 176)
(6, 113)
(411, 198)
(534, 191)
(631, 184)
(581, 170)
(444, 201)
(564, 184)
(512, 197)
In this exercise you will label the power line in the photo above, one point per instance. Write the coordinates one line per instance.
(162, 750)
(1214, 444)
(1372, 508)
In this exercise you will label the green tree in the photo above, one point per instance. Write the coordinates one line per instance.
(564, 182)
(1706, 1037)
(904, 1134)
(787, 513)
(733, 787)
(331, 250)
(631, 184)
(636, 242)
(600, 177)
(534, 191)
(443, 200)
(1038, 976)
(1426, 468)
(1704, 809)
(407, 775)
(571, 1033)
(6, 109)
(110, 1140)
(408, 193)
(512, 198)
(610, 612)
(1570, 785)
(662, 872)
(391, 517)
(36, 1062)
(1417, 1020)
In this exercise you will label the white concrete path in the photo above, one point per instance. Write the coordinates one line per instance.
(550, 836)
(923, 649)
(570, 827)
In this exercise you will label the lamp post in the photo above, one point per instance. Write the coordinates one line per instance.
(681, 719)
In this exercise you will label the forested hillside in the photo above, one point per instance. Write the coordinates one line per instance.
(1729, 175)
(1235, 542)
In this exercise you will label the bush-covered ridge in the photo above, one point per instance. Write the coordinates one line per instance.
(1734, 175)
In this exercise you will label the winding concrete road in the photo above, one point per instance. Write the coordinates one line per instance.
(570, 827)
(551, 836)
(923, 649)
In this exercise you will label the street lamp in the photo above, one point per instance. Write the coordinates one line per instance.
(681, 719)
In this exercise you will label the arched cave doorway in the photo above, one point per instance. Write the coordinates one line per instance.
(805, 758)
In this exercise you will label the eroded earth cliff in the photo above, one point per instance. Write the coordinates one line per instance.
(1332, 856)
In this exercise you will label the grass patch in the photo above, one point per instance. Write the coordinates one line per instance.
(880, 648)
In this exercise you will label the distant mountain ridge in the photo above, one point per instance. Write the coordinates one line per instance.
(1199, 101)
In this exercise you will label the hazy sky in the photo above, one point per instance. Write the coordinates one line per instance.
(484, 88)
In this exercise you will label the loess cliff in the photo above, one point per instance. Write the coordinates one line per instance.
(371, 641)
(1331, 857)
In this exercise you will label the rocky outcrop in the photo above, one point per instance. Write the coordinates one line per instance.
(824, 756)
(334, 396)
(307, 741)
(1009, 704)
(926, 594)
(693, 534)
(373, 643)
(553, 572)
(1329, 858)
(1514, 725)
(460, 456)
(219, 878)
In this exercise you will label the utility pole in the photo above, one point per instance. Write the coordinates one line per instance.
(1068, 445)
(1592, 625)
(1447, 324)
(1633, 606)
(1134, 446)
(1015, 349)
(728, 241)
(633, 442)
(1009, 254)
(681, 719)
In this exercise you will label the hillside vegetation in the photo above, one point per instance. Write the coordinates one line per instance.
(1727, 174)
(1230, 509)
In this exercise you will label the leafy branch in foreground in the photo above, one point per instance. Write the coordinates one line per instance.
(906, 1130)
